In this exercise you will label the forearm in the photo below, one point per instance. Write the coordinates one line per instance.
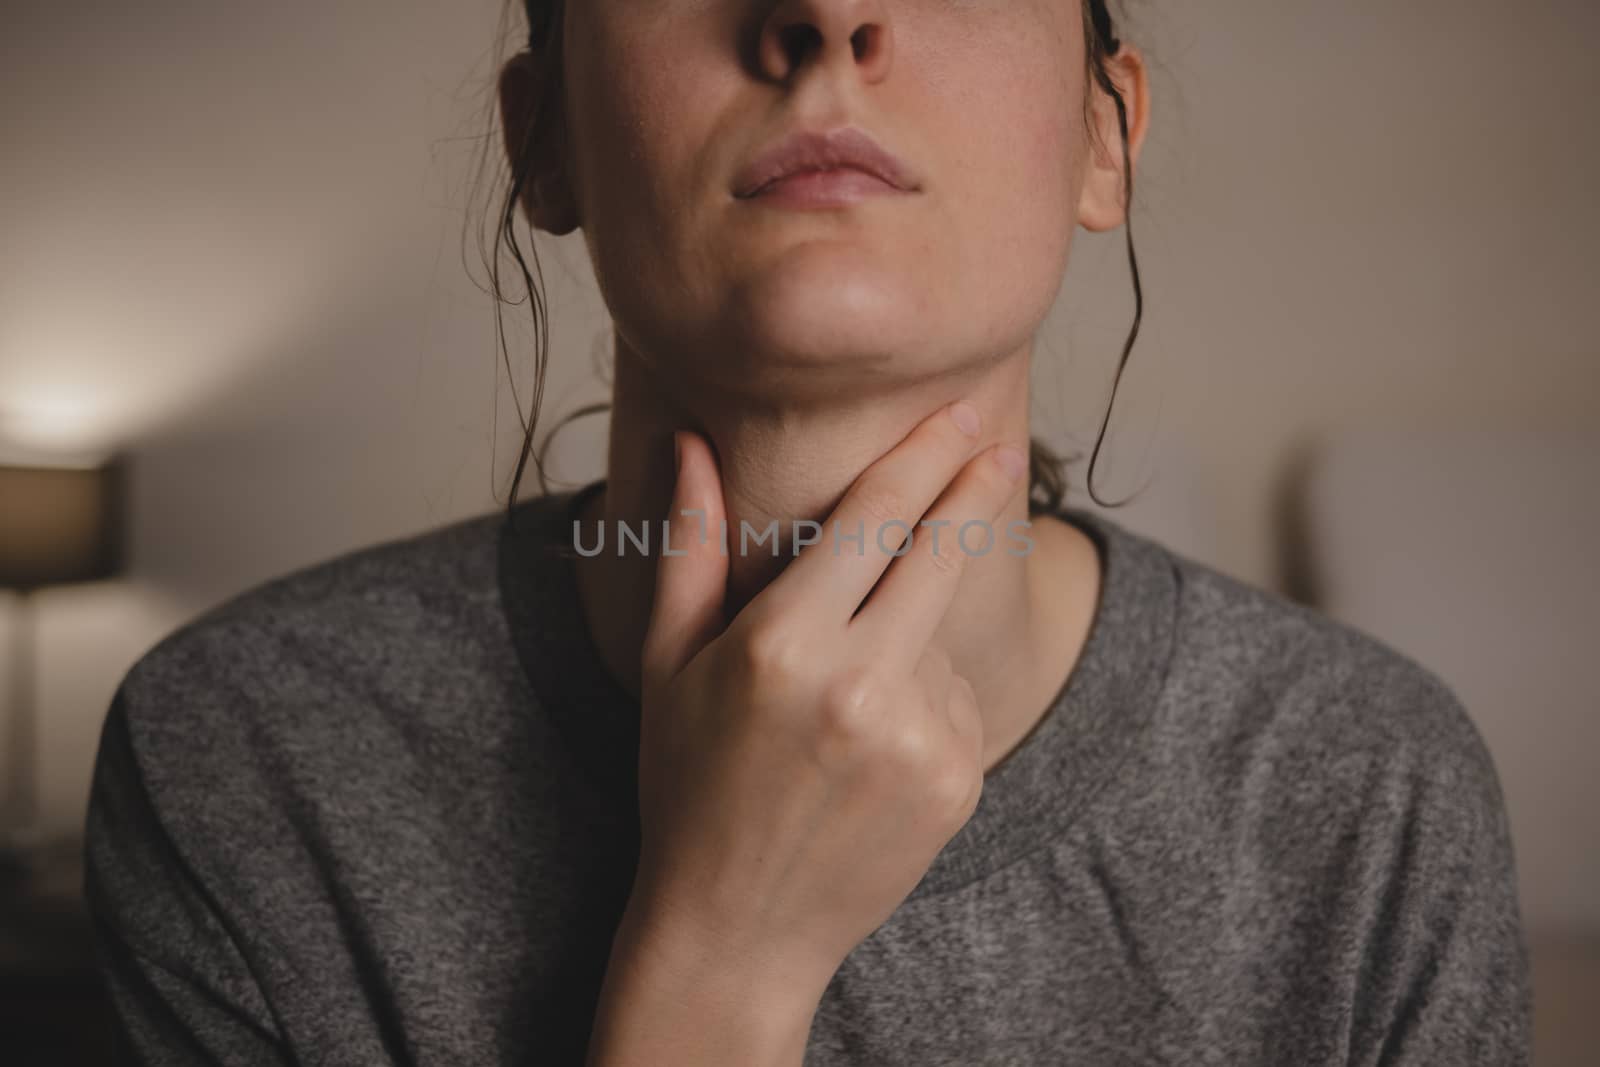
(670, 998)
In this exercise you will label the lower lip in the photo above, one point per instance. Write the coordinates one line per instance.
(823, 188)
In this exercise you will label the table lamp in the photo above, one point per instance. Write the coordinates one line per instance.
(57, 525)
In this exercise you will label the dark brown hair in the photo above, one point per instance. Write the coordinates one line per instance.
(1047, 475)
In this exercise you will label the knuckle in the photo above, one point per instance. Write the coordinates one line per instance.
(1000, 483)
(912, 746)
(946, 559)
(953, 789)
(973, 798)
(991, 476)
(771, 649)
(964, 718)
(882, 505)
(850, 708)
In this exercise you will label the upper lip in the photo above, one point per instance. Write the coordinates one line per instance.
(803, 150)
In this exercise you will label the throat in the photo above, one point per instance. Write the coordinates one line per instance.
(1064, 582)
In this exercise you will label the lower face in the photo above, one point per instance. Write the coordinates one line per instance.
(831, 281)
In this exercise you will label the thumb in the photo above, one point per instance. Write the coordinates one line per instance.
(692, 570)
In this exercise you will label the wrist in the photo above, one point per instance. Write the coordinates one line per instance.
(672, 994)
(672, 939)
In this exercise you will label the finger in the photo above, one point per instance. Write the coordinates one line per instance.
(858, 540)
(910, 601)
(692, 569)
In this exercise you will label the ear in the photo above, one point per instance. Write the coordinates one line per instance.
(535, 136)
(1100, 204)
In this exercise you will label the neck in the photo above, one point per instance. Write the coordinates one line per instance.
(1012, 630)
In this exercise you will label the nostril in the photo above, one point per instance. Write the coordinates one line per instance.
(861, 41)
(798, 40)
(789, 40)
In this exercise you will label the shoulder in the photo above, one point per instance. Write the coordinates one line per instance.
(1277, 712)
(341, 602)
(1319, 684)
(380, 581)
(1339, 784)
(1350, 788)
(1307, 801)
(304, 655)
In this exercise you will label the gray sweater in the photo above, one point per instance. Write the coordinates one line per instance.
(383, 810)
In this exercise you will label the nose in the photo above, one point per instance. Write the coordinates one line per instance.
(851, 34)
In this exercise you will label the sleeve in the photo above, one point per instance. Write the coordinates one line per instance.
(182, 993)
(1448, 959)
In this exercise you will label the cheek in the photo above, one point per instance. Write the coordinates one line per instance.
(1013, 196)
(616, 104)
(637, 160)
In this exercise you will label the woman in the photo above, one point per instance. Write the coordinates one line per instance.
(785, 780)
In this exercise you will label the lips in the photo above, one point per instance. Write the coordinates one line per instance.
(805, 150)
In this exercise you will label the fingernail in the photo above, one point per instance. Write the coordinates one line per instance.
(965, 416)
(1012, 461)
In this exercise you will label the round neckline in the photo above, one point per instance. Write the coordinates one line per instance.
(1029, 799)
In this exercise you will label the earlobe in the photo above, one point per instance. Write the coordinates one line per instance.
(548, 196)
(1100, 206)
(534, 136)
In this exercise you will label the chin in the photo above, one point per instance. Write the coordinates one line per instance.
(826, 309)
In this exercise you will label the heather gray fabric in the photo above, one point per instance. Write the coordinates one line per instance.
(382, 811)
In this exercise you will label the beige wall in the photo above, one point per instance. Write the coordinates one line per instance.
(231, 249)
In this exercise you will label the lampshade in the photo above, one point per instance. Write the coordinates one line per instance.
(59, 524)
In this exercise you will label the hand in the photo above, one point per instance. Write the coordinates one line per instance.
(800, 769)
